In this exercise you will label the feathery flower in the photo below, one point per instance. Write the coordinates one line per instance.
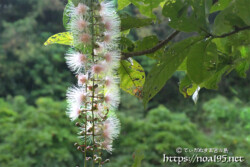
(74, 111)
(76, 96)
(81, 9)
(76, 61)
(95, 62)
(82, 79)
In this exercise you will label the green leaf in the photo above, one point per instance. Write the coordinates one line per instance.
(181, 18)
(183, 66)
(123, 3)
(212, 82)
(138, 157)
(132, 77)
(146, 43)
(146, 7)
(128, 22)
(244, 64)
(165, 68)
(75, 2)
(64, 38)
(226, 20)
(242, 10)
(220, 5)
(202, 60)
(127, 45)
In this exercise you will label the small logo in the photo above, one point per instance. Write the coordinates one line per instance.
(179, 150)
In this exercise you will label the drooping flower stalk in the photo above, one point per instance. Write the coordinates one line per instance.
(94, 59)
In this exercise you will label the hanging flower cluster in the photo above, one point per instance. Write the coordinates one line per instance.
(94, 59)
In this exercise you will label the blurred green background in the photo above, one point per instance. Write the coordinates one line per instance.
(35, 131)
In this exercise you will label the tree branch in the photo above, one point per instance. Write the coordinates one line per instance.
(237, 29)
(151, 50)
(126, 55)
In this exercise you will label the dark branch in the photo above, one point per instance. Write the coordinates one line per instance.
(151, 50)
(126, 55)
(237, 29)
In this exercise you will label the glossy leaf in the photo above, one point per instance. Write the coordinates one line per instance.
(187, 16)
(128, 22)
(228, 19)
(132, 77)
(220, 5)
(201, 61)
(164, 69)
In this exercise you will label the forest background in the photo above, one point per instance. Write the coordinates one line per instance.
(35, 131)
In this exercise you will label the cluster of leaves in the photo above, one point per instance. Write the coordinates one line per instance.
(26, 67)
(36, 136)
(30, 136)
(220, 44)
(223, 124)
(31, 70)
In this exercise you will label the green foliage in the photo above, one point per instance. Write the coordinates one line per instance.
(145, 6)
(181, 18)
(222, 45)
(36, 136)
(221, 115)
(220, 5)
(126, 21)
(201, 61)
(27, 67)
(206, 61)
(161, 132)
(165, 68)
(41, 135)
(132, 77)
(123, 3)
(138, 157)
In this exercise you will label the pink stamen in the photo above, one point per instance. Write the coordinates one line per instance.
(108, 25)
(107, 99)
(108, 82)
(85, 38)
(82, 58)
(82, 79)
(98, 68)
(82, 24)
(108, 57)
(81, 8)
(107, 38)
